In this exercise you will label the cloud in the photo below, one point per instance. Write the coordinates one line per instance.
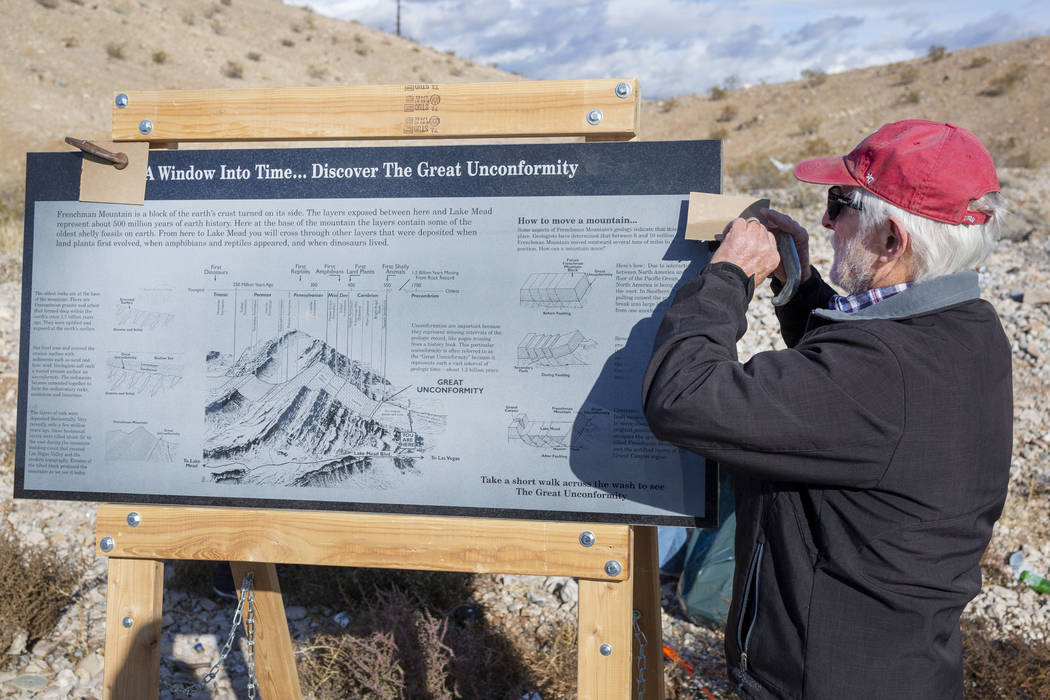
(827, 28)
(676, 47)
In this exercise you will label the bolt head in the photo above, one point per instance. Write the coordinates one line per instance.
(605, 649)
(623, 89)
(121, 101)
(587, 538)
(127, 621)
(145, 126)
(594, 116)
(613, 567)
(106, 544)
(134, 519)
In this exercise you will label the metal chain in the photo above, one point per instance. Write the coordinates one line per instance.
(639, 637)
(247, 594)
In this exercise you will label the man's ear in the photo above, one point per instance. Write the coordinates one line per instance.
(894, 241)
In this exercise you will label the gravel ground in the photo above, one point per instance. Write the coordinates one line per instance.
(68, 662)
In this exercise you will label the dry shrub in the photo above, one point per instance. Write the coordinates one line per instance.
(11, 235)
(115, 50)
(911, 97)
(667, 105)
(814, 77)
(998, 665)
(1002, 84)
(317, 72)
(36, 585)
(70, 41)
(719, 133)
(808, 126)
(978, 62)
(160, 57)
(287, 42)
(758, 174)
(232, 69)
(727, 114)
(936, 52)
(906, 74)
(49, 4)
(412, 634)
(253, 56)
(718, 93)
(814, 147)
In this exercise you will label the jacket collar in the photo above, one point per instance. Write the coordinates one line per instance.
(921, 298)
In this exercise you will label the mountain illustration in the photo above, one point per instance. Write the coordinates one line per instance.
(293, 405)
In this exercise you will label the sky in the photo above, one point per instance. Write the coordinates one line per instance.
(678, 47)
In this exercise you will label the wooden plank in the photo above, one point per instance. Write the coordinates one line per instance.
(605, 618)
(647, 609)
(364, 539)
(449, 110)
(134, 591)
(274, 657)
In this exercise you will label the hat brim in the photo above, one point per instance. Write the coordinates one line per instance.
(825, 171)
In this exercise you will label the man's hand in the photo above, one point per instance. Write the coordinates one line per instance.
(782, 222)
(750, 246)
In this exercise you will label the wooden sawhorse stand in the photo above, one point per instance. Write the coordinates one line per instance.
(610, 656)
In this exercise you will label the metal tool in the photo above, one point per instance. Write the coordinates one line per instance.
(792, 267)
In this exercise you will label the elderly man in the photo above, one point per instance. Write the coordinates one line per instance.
(871, 456)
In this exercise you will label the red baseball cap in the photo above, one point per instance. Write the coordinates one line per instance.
(930, 169)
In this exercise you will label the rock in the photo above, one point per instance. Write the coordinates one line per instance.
(91, 664)
(295, 612)
(1037, 297)
(18, 644)
(30, 681)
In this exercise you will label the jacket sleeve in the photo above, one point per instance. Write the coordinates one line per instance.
(828, 411)
(812, 294)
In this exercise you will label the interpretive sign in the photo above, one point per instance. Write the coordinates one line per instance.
(456, 329)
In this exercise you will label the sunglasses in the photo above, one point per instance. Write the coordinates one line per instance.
(837, 200)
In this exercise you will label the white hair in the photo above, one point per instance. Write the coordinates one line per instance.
(939, 248)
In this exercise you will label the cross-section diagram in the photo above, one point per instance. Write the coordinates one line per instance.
(555, 349)
(558, 290)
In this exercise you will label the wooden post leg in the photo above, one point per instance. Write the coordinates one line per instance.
(605, 618)
(134, 594)
(274, 659)
(647, 604)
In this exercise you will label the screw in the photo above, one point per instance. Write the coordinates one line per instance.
(594, 117)
(605, 649)
(128, 621)
(134, 519)
(613, 568)
(106, 544)
(145, 126)
(587, 538)
(121, 101)
(623, 89)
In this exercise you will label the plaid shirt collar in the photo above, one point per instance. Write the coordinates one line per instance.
(862, 300)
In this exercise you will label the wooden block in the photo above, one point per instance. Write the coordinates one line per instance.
(434, 543)
(274, 657)
(134, 591)
(647, 608)
(451, 110)
(605, 618)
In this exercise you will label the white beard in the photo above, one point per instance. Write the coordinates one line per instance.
(853, 267)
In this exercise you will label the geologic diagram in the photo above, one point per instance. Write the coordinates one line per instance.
(298, 386)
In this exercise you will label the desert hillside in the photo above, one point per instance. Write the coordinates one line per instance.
(61, 61)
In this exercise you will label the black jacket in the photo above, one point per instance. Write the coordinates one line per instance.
(871, 458)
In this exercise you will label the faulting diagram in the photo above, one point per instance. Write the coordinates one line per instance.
(555, 349)
(553, 434)
(557, 290)
(129, 374)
